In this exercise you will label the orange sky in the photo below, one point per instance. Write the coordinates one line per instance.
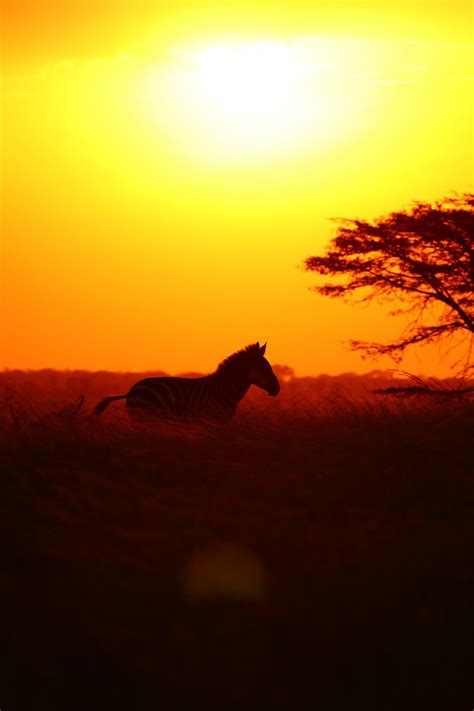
(157, 204)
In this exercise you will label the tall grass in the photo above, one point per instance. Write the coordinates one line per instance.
(316, 549)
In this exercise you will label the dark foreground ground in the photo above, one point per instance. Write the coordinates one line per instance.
(318, 550)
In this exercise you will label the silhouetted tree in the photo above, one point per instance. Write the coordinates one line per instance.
(423, 257)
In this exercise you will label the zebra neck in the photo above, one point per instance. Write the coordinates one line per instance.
(235, 384)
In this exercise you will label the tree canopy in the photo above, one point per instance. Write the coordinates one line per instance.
(422, 257)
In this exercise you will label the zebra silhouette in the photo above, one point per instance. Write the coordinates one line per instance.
(213, 397)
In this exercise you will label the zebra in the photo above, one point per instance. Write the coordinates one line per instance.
(211, 397)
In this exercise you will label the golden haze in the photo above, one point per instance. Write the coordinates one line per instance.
(165, 172)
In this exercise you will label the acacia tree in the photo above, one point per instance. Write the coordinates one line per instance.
(422, 257)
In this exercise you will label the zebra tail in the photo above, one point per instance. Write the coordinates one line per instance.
(100, 407)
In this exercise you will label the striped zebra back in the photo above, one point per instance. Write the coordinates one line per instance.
(204, 397)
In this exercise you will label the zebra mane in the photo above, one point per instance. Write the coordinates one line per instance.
(252, 350)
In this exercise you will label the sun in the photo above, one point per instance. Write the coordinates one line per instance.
(245, 102)
(253, 82)
(248, 97)
(234, 101)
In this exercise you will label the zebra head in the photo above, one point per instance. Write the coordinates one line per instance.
(260, 371)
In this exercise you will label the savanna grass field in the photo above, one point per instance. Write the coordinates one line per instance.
(316, 551)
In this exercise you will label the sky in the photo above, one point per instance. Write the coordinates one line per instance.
(167, 167)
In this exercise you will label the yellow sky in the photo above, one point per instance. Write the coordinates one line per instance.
(152, 217)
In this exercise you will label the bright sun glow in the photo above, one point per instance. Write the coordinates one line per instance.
(250, 82)
(242, 100)
(250, 94)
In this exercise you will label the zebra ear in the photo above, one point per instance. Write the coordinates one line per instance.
(262, 349)
(257, 345)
